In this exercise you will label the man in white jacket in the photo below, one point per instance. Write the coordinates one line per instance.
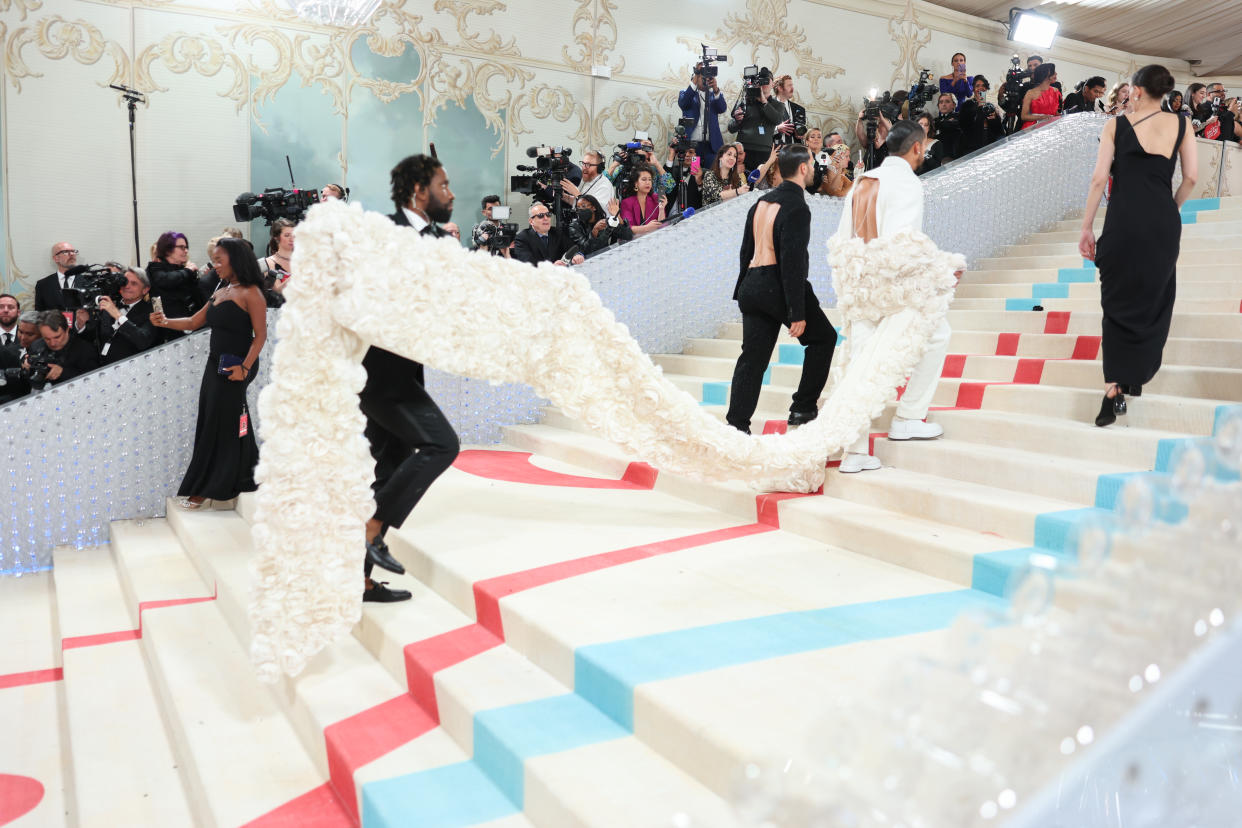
(884, 202)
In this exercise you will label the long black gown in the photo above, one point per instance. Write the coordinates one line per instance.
(1137, 259)
(223, 463)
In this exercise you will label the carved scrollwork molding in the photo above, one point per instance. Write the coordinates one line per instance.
(594, 37)
(543, 102)
(181, 52)
(55, 39)
(910, 36)
(461, 9)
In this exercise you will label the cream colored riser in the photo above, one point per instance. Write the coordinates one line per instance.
(1226, 294)
(1224, 243)
(1229, 272)
(1189, 325)
(1181, 305)
(1073, 259)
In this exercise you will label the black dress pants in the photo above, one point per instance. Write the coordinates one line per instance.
(761, 300)
(413, 443)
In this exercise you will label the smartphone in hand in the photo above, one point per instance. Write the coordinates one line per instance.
(157, 304)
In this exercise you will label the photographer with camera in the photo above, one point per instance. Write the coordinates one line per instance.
(1043, 102)
(793, 128)
(684, 166)
(702, 104)
(757, 116)
(593, 230)
(489, 234)
(59, 357)
(948, 126)
(1088, 96)
(956, 83)
(1215, 116)
(14, 379)
(872, 127)
(130, 331)
(541, 242)
(979, 120)
(174, 280)
(594, 183)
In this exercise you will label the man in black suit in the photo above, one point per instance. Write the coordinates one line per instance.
(773, 290)
(72, 356)
(10, 310)
(27, 338)
(794, 125)
(48, 290)
(131, 331)
(541, 242)
(412, 441)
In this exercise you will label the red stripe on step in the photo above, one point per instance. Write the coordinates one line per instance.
(76, 641)
(31, 677)
(954, 365)
(776, 427)
(1029, 371)
(317, 808)
(18, 796)
(1057, 322)
(515, 467)
(1007, 344)
(488, 593)
(1086, 347)
(423, 659)
(365, 737)
(767, 510)
(970, 394)
(171, 602)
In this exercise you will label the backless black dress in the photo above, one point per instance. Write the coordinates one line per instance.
(1137, 259)
(224, 459)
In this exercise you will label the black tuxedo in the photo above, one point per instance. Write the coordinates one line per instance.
(12, 387)
(48, 293)
(772, 295)
(529, 248)
(135, 335)
(411, 440)
(799, 122)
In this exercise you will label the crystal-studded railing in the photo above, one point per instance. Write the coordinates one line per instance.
(114, 443)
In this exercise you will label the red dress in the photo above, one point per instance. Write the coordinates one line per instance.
(1048, 103)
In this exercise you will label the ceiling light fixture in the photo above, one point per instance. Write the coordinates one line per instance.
(1032, 28)
(343, 13)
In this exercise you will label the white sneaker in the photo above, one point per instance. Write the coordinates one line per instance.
(903, 429)
(853, 463)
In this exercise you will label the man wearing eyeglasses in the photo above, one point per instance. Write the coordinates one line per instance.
(541, 242)
(49, 291)
(594, 182)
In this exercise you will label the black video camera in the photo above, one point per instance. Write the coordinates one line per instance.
(704, 67)
(93, 281)
(551, 167)
(681, 142)
(40, 362)
(274, 203)
(499, 234)
(632, 162)
(921, 94)
(753, 79)
(1017, 84)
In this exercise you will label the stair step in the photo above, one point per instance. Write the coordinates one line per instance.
(1177, 414)
(124, 770)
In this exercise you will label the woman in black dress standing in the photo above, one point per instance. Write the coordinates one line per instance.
(1137, 252)
(225, 451)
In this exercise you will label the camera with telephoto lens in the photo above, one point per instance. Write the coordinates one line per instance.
(274, 203)
(550, 169)
(1017, 84)
(922, 92)
(681, 142)
(632, 162)
(40, 363)
(92, 282)
(500, 234)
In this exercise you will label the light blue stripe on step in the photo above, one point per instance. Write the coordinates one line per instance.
(452, 796)
(1050, 290)
(606, 674)
(1076, 274)
(790, 354)
(506, 736)
(1223, 412)
(1088, 264)
(1020, 304)
(715, 393)
(1190, 218)
(1196, 204)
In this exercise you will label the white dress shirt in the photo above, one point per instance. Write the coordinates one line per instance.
(898, 205)
(599, 188)
(416, 221)
(10, 333)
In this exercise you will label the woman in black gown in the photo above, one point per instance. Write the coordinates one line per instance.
(1137, 252)
(225, 451)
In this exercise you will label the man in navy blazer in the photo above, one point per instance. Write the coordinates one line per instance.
(703, 94)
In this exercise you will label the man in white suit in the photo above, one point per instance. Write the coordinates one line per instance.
(886, 201)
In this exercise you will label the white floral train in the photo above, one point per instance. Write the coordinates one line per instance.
(361, 280)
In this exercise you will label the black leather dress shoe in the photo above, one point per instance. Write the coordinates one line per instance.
(380, 593)
(798, 418)
(378, 554)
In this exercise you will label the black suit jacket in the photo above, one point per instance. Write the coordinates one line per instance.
(389, 375)
(135, 336)
(48, 294)
(12, 388)
(791, 235)
(529, 248)
(76, 358)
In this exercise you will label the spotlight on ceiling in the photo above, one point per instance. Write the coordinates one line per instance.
(1032, 28)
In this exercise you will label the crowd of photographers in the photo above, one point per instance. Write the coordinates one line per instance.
(87, 316)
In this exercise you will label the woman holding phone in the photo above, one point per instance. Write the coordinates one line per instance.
(225, 451)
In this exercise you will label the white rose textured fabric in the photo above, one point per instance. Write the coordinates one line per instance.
(495, 319)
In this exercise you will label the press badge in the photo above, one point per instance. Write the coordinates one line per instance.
(761, 130)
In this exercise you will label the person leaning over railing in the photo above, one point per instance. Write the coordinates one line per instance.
(593, 230)
(70, 356)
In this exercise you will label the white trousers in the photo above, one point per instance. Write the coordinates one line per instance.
(921, 387)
